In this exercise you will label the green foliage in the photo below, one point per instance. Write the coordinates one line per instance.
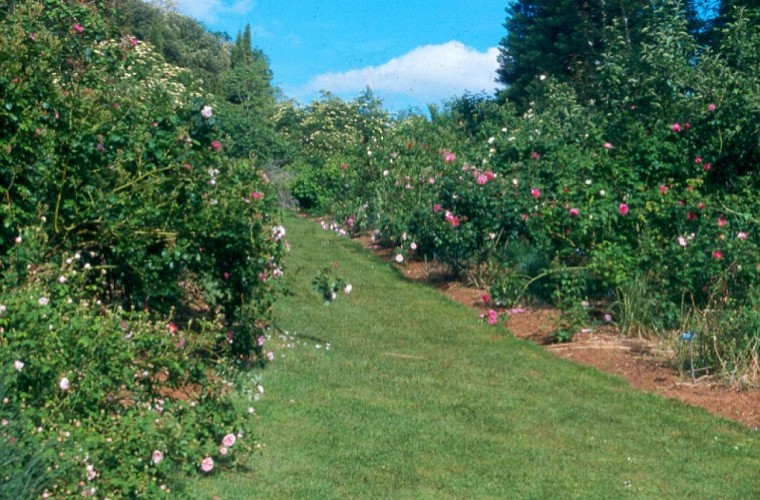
(328, 286)
(139, 261)
(645, 166)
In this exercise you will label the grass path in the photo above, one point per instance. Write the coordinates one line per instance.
(415, 398)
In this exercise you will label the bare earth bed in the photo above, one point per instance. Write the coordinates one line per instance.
(647, 365)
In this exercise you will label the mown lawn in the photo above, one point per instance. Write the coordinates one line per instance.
(396, 391)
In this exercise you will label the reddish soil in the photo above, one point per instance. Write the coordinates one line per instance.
(647, 365)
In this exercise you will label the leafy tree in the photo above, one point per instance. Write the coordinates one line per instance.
(249, 101)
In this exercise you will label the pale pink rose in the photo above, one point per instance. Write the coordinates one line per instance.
(228, 440)
(157, 457)
(742, 235)
(207, 465)
(223, 450)
(63, 384)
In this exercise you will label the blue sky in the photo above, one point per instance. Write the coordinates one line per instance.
(410, 52)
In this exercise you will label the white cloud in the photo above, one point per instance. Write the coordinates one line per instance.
(208, 11)
(430, 73)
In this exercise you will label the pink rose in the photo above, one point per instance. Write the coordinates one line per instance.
(536, 193)
(228, 440)
(711, 107)
(608, 145)
(574, 212)
(717, 255)
(157, 457)
(207, 465)
(216, 145)
(676, 127)
(78, 28)
(493, 317)
(623, 209)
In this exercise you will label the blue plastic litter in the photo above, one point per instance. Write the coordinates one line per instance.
(688, 336)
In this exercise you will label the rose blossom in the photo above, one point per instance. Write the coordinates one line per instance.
(207, 112)
(228, 440)
(536, 193)
(207, 465)
(574, 212)
(623, 209)
(493, 317)
(157, 457)
(742, 235)
(18, 365)
(63, 384)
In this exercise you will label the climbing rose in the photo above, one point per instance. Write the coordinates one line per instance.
(157, 457)
(717, 255)
(574, 212)
(676, 127)
(536, 193)
(216, 145)
(64, 384)
(623, 209)
(207, 112)
(742, 235)
(608, 145)
(711, 107)
(78, 28)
